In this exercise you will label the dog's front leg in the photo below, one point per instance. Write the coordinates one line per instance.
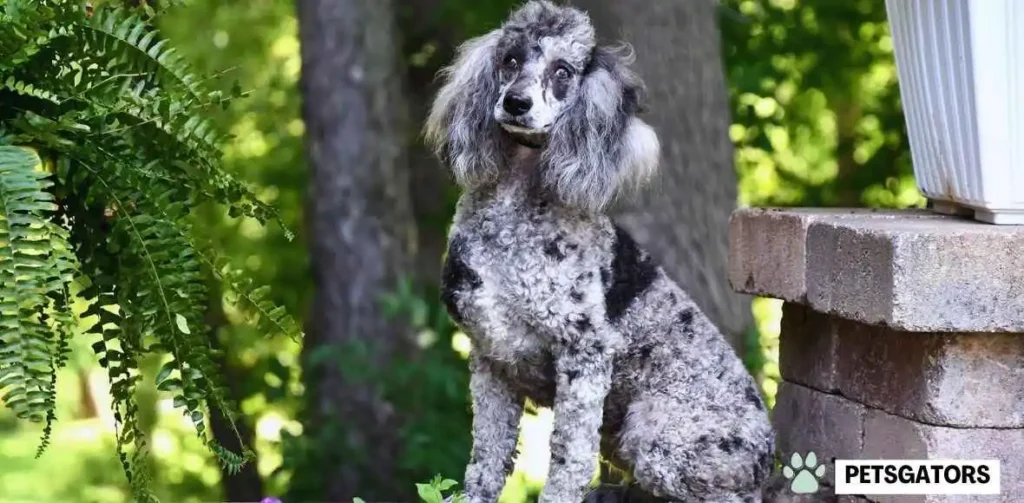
(583, 381)
(496, 413)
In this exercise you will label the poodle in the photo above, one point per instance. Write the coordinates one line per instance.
(539, 127)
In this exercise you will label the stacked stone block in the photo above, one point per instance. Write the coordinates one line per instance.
(902, 335)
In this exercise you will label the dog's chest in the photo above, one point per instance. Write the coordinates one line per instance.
(514, 274)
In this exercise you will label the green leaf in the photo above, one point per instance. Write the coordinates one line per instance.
(169, 384)
(446, 484)
(182, 324)
(165, 371)
(429, 493)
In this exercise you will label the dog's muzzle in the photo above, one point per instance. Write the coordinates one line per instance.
(533, 138)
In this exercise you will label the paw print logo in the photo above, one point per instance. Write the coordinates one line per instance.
(803, 473)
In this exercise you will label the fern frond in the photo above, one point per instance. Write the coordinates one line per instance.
(25, 89)
(127, 78)
(268, 317)
(151, 52)
(174, 282)
(30, 272)
(63, 320)
(22, 31)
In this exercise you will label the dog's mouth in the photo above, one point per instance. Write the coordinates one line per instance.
(529, 137)
(517, 129)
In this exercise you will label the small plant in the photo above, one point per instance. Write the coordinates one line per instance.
(434, 492)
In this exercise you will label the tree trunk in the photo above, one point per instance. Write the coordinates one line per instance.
(431, 188)
(684, 222)
(87, 408)
(362, 231)
(246, 484)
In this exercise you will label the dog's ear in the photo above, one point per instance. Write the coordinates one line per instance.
(461, 127)
(599, 149)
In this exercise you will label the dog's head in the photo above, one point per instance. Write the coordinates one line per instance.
(541, 81)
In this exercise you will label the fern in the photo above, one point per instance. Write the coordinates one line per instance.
(105, 149)
(27, 276)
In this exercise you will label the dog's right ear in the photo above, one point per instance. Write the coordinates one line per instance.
(598, 150)
(461, 127)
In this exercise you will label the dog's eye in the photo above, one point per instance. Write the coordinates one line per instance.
(562, 73)
(511, 62)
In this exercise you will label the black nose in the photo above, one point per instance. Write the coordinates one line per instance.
(517, 105)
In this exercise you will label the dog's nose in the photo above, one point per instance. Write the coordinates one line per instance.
(517, 105)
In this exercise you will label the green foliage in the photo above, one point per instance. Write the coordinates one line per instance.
(80, 468)
(105, 152)
(433, 492)
(429, 389)
(35, 268)
(816, 112)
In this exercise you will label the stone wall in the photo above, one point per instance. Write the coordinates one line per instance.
(902, 335)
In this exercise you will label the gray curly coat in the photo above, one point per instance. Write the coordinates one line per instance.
(539, 126)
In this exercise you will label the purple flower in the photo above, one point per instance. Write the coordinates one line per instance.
(271, 499)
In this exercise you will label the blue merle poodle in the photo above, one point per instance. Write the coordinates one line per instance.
(539, 127)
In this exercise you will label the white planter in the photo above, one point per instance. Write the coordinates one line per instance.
(961, 75)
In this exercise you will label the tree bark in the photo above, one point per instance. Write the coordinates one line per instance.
(246, 484)
(431, 189)
(684, 222)
(362, 234)
(87, 408)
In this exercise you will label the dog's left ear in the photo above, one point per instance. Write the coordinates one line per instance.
(598, 149)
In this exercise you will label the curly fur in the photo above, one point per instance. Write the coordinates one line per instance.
(563, 307)
(460, 124)
(600, 149)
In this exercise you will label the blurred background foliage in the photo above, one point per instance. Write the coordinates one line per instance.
(816, 122)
